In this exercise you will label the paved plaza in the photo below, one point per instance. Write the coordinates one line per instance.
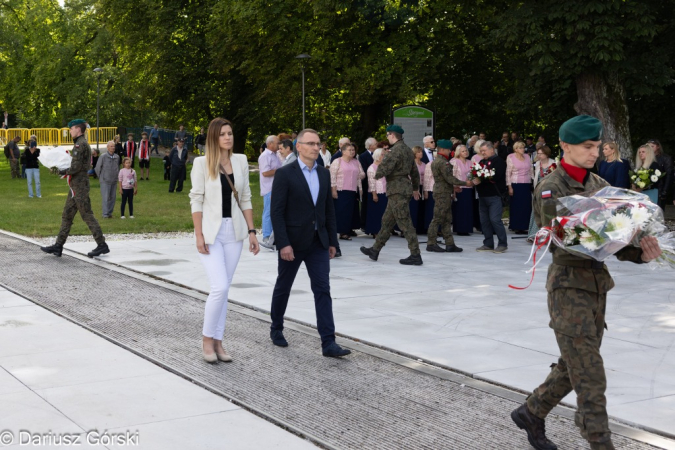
(458, 311)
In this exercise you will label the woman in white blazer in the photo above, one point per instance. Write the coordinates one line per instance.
(223, 218)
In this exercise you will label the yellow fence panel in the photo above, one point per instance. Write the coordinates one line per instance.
(105, 134)
(64, 136)
(46, 136)
(3, 136)
(23, 133)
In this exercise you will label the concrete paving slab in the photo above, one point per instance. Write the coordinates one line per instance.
(400, 307)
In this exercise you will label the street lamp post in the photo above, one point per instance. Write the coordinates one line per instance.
(98, 71)
(302, 57)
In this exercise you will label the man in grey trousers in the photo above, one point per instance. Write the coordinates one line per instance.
(107, 170)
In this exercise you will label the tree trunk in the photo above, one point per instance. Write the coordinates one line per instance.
(604, 97)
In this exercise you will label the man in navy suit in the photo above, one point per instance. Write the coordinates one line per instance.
(429, 147)
(303, 219)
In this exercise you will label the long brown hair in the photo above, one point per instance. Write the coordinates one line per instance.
(213, 145)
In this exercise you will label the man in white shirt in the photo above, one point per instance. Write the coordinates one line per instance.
(429, 147)
(325, 155)
(268, 163)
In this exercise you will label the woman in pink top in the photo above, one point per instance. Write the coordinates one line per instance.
(377, 195)
(519, 184)
(428, 191)
(128, 187)
(346, 174)
(462, 207)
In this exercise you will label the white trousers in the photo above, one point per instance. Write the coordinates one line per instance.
(220, 265)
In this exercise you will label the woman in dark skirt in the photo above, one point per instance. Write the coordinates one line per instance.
(346, 174)
(377, 196)
(462, 207)
(519, 183)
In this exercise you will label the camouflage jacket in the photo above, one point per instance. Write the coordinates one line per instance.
(400, 171)
(565, 271)
(80, 163)
(443, 177)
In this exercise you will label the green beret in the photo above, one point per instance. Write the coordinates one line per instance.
(580, 129)
(444, 143)
(395, 129)
(74, 122)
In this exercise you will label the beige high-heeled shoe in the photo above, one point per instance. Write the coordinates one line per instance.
(208, 358)
(224, 357)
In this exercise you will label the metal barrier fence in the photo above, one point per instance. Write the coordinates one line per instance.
(56, 136)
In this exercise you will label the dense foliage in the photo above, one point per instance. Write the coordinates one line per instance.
(486, 65)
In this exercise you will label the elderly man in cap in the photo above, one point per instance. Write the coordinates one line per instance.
(178, 158)
(577, 299)
(403, 180)
(444, 183)
(78, 197)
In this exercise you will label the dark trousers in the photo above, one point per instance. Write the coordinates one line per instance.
(167, 172)
(491, 221)
(128, 195)
(176, 175)
(317, 262)
(155, 145)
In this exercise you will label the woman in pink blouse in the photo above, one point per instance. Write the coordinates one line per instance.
(428, 191)
(462, 207)
(519, 184)
(346, 174)
(377, 195)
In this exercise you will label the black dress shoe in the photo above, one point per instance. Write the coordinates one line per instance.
(335, 351)
(338, 253)
(534, 426)
(99, 250)
(412, 260)
(435, 248)
(352, 233)
(278, 338)
(463, 234)
(370, 252)
(55, 249)
(453, 249)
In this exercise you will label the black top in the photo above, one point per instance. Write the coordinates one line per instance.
(497, 186)
(32, 159)
(227, 194)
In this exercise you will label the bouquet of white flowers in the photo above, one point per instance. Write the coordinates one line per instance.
(58, 158)
(597, 225)
(600, 224)
(645, 178)
(481, 172)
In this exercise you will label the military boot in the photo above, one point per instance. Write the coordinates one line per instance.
(55, 249)
(534, 426)
(453, 249)
(603, 443)
(412, 260)
(99, 250)
(435, 248)
(370, 252)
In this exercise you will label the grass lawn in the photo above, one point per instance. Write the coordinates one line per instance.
(155, 209)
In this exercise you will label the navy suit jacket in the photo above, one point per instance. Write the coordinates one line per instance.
(336, 155)
(425, 158)
(293, 213)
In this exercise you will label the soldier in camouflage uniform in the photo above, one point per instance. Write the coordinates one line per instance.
(577, 297)
(78, 197)
(444, 183)
(403, 181)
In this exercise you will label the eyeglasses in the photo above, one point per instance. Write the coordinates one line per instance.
(311, 144)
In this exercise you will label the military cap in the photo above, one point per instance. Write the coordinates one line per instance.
(444, 143)
(580, 129)
(74, 122)
(395, 129)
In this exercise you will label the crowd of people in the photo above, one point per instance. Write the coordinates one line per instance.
(519, 164)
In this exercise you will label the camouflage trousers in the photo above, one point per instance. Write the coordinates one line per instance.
(80, 202)
(442, 218)
(578, 320)
(15, 168)
(398, 213)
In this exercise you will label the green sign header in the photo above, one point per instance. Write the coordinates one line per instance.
(413, 112)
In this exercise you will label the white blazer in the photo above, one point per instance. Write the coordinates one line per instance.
(206, 196)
